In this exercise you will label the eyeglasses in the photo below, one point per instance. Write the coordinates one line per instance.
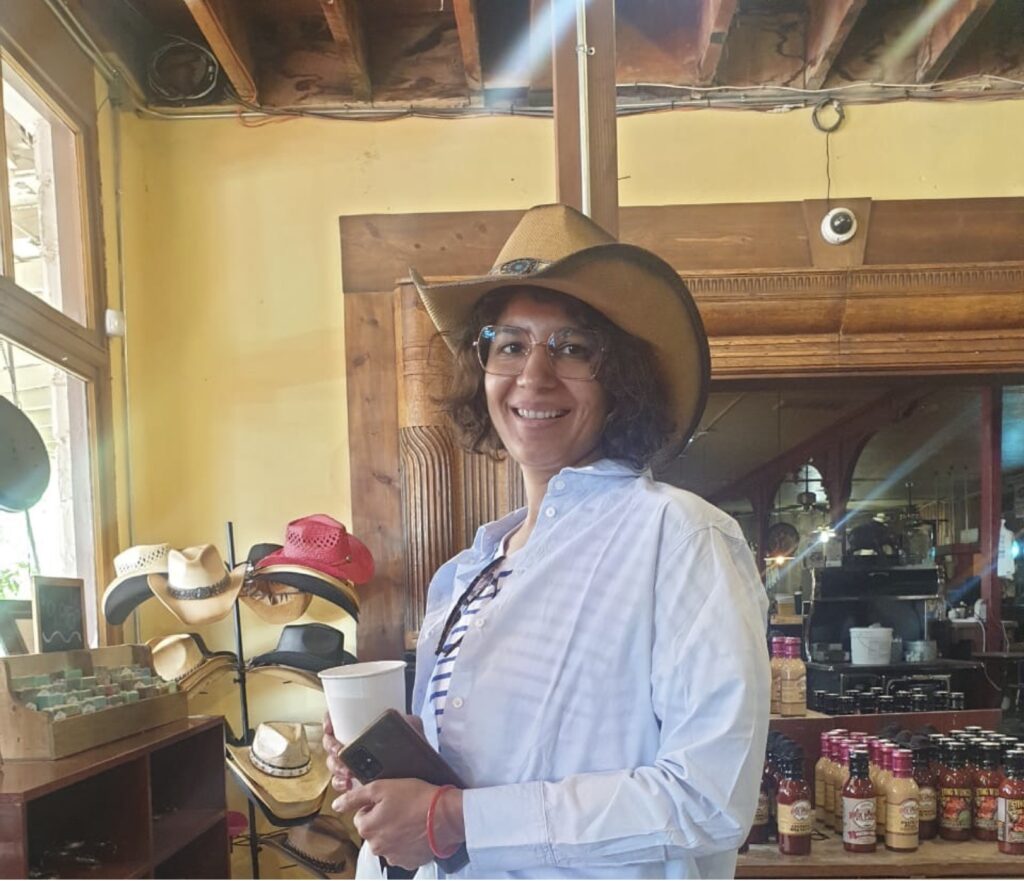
(503, 350)
(488, 579)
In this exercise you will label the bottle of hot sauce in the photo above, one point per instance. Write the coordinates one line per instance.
(832, 795)
(901, 815)
(793, 678)
(859, 805)
(842, 774)
(1010, 826)
(987, 780)
(928, 797)
(778, 643)
(955, 796)
(795, 814)
(819, 778)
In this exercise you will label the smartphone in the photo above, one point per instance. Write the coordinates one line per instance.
(391, 749)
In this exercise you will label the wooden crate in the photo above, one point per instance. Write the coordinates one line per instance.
(30, 734)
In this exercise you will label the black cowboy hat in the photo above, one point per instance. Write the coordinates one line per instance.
(312, 647)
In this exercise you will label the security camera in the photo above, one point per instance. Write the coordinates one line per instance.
(838, 226)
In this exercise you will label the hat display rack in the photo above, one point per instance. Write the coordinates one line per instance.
(319, 558)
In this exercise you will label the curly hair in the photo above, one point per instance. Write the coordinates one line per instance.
(639, 422)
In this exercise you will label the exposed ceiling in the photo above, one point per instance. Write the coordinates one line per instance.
(937, 446)
(320, 54)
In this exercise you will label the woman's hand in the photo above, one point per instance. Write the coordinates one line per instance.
(391, 816)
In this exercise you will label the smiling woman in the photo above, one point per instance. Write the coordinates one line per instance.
(566, 667)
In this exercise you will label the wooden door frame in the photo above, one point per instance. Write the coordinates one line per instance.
(927, 288)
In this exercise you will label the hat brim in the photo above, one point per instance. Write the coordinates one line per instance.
(125, 594)
(288, 674)
(630, 286)
(291, 609)
(198, 611)
(358, 570)
(312, 581)
(278, 813)
(206, 673)
(321, 868)
(288, 797)
(303, 660)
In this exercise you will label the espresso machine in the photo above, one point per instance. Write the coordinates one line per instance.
(908, 599)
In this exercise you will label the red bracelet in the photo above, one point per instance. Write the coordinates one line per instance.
(430, 824)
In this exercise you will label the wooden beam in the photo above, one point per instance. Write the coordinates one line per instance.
(947, 35)
(469, 42)
(991, 511)
(829, 24)
(222, 23)
(715, 20)
(603, 174)
(346, 28)
(541, 44)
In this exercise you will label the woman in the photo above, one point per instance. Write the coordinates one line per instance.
(594, 666)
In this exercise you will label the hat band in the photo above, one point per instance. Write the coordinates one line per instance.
(520, 266)
(277, 770)
(199, 593)
(328, 868)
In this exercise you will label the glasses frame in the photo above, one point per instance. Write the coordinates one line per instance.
(550, 345)
(489, 576)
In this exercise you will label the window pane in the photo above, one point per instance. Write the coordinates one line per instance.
(43, 183)
(54, 537)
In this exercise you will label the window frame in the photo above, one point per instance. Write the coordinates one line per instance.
(35, 325)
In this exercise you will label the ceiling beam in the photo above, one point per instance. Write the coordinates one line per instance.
(829, 24)
(469, 42)
(222, 23)
(344, 22)
(715, 18)
(947, 35)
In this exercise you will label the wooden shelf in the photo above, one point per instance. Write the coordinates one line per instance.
(157, 796)
(829, 859)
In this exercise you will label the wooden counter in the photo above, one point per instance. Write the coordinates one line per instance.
(933, 859)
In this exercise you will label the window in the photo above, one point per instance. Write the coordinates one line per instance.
(54, 362)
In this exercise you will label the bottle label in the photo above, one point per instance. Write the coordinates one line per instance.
(794, 691)
(796, 819)
(927, 803)
(955, 808)
(761, 814)
(902, 818)
(1010, 814)
(858, 820)
(986, 800)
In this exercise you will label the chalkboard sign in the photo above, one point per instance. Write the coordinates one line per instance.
(58, 613)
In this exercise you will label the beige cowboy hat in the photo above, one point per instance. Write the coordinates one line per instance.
(558, 248)
(285, 769)
(322, 846)
(197, 588)
(130, 589)
(185, 659)
(272, 601)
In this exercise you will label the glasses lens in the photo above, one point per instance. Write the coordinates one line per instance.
(502, 349)
(576, 354)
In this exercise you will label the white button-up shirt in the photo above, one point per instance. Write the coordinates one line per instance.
(610, 720)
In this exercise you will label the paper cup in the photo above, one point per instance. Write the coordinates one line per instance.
(358, 693)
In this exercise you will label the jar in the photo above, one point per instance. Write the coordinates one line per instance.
(847, 705)
(885, 704)
(927, 801)
(956, 700)
(955, 796)
(859, 806)
(831, 704)
(919, 703)
(818, 700)
(940, 700)
(1010, 810)
(901, 813)
(794, 814)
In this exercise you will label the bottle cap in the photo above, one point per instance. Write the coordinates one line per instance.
(844, 751)
(858, 763)
(902, 760)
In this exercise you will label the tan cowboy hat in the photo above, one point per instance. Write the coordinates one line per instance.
(558, 248)
(274, 602)
(197, 588)
(185, 659)
(285, 768)
(321, 846)
(129, 588)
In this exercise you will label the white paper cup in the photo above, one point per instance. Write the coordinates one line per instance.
(358, 693)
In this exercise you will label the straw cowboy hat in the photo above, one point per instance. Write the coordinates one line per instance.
(130, 589)
(197, 588)
(558, 248)
(320, 557)
(285, 768)
(272, 601)
(185, 659)
(322, 846)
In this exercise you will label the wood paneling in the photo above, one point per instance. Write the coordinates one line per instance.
(374, 458)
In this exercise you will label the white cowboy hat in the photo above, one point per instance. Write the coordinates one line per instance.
(197, 588)
(130, 588)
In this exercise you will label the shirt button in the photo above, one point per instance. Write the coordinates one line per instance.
(550, 512)
(559, 484)
(479, 623)
(457, 702)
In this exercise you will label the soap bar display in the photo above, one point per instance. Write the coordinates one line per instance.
(65, 693)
